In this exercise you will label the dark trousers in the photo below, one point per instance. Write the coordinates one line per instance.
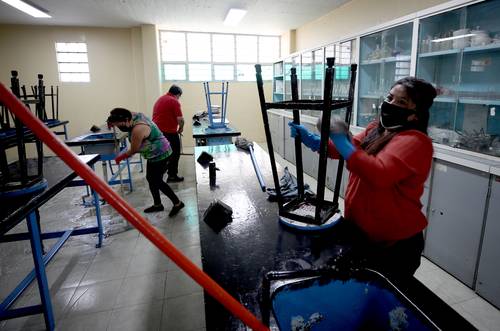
(173, 160)
(398, 261)
(154, 174)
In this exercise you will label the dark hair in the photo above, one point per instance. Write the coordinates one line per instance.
(175, 90)
(422, 93)
(119, 115)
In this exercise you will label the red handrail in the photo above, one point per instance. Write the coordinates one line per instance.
(127, 211)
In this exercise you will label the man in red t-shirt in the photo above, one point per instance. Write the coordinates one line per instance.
(167, 115)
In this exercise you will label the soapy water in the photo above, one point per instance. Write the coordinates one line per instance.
(398, 319)
(344, 305)
(299, 324)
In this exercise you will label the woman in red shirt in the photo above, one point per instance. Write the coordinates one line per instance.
(388, 163)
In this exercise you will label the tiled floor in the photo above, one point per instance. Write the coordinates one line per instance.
(129, 285)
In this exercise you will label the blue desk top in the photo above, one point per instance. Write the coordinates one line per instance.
(58, 176)
(104, 136)
(203, 131)
(9, 135)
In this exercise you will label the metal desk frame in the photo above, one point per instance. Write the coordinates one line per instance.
(36, 237)
(107, 158)
(206, 136)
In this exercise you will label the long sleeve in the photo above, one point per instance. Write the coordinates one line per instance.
(356, 140)
(406, 154)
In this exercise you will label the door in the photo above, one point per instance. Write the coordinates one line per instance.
(455, 219)
(488, 275)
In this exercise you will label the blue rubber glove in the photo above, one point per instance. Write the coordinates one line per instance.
(343, 145)
(309, 139)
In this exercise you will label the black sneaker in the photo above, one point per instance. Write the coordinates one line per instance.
(175, 209)
(174, 179)
(154, 208)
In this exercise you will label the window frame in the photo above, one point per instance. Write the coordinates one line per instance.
(212, 63)
(60, 73)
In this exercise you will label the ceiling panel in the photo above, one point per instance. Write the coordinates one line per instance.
(263, 16)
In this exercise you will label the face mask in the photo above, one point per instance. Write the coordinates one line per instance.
(394, 117)
(124, 128)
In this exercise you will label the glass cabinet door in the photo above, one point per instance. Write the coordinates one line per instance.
(344, 56)
(318, 72)
(306, 69)
(278, 81)
(311, 81)
(292, 62)
(384, 58)
(478, 122)
(438, 62)
(343, 59)
(329, 51)
(459, 52)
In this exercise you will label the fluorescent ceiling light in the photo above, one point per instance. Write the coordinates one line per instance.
(234, 16)
(27, 8)
(454, 37)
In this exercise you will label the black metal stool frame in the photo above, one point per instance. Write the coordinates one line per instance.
(324, 209)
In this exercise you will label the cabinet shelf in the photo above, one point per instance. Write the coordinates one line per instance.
(370, 96)
(471, 101)
(476, 101)
(486, 48)
(439, 53)
(446, 99)
(387, 60)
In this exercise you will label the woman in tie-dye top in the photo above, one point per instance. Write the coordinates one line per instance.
(146, 139)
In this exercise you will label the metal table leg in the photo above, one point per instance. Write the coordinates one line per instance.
(129, 175)
(41, 276)
(98, 216)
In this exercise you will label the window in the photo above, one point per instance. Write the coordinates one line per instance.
(175, 71)
(223, 48)
(199, 72)
(223, 72)
(197, 56)
(173, 45)
(72, 62)
(246, 49)
(199, 47)
(269, 49)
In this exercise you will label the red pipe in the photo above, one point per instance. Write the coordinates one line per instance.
(127, 211)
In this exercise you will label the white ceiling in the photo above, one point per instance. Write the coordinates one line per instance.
(263, 17)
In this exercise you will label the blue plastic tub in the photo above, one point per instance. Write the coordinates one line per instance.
(369, 302)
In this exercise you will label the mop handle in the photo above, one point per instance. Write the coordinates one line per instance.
(257, 169)
(126, 210)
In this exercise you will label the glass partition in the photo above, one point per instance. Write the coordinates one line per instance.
(311, 82)
(459, 52)
(278, 81)
(384, 58)
(291, 62)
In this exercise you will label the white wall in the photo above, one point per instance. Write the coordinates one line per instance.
(31, 50)
(354, 17)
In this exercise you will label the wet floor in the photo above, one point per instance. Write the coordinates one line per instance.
(127, 284)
